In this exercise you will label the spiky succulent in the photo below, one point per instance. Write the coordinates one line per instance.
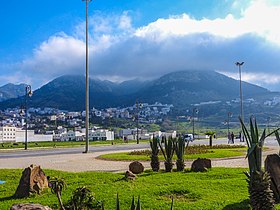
(180, 152)
(154, 144)
(168, 152)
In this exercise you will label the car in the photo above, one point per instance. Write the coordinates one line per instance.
(188, 137)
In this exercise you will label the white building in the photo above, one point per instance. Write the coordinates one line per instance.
(14, 134)
(8, 134)
(103, 135)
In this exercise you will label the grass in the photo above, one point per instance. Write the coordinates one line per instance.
(192, 152)
(219, 188)
(16, 145)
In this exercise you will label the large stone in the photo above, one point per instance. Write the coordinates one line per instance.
(33, 180)
(272, 166)
(136, 167)
(29, 206)
(201, 165)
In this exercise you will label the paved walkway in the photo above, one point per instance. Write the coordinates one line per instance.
(89, 162)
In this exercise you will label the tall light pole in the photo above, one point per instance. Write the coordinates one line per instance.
(229, 115)
(195, 110)
(239, 64)
(28, 93)
(87, 84)
(137, 122)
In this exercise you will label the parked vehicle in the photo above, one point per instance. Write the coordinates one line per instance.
(188, 137)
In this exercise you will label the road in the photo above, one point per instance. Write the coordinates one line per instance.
(20, 153)
(73, 159)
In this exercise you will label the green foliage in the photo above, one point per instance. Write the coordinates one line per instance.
(255, 144)
(219, 188)
(168, 152)
(57, 185)
(154, 144)
(180, 151)
(261, 196)
(83, 199)
(191, 152)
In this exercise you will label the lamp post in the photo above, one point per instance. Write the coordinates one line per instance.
(195, 110)
(87, 84)
(28, 93)
(239, 64)
(137, 118)
(229, 115)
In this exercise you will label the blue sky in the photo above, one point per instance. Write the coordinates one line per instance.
(139, 39)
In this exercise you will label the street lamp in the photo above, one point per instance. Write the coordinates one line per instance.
(229, 115)
(239, 64)
(28, 93)
(137, 118)
(87, 84)
(195, 110)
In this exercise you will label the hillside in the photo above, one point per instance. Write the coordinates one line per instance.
(182, 89)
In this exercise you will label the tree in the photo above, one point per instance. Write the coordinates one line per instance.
(57, 185)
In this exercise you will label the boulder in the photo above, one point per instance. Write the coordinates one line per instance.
(29, 206)
(201, 165)
(272, 166)
(33, 180)
(136, 167)
(130, 176)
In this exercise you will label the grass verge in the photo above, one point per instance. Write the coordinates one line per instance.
(219, 188)
(144, 155)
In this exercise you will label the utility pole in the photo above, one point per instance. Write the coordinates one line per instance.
(87, 83)
(28, 93)
(195, 110)
(239, 64)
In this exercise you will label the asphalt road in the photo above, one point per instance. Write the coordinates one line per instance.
(4, 154)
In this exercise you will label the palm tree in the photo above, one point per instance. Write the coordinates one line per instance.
(210, 134)
(57, 185)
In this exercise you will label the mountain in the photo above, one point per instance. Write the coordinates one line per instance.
(182, 89)
(190, 87)
(9, 91)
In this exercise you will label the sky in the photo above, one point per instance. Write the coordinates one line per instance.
(143, 39)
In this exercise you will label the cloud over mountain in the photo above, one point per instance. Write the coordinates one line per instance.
(119, 51)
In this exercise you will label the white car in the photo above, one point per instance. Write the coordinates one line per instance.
(188, 137)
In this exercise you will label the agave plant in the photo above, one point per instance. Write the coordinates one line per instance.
(261, 196)
(154, 144)
(180, 152)
(57, 185)
(168, 152)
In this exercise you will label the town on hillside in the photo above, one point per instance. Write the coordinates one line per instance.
(50, 124)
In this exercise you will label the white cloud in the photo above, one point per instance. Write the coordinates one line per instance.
(119, 51)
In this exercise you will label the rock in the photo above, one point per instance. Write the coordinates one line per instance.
(28, 206)
(129, 175)
(136, 167)
(33, 180)
(201, 165)
(272, 166)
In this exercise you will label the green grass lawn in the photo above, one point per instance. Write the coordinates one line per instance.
(144, 156)
(219, 188)
(58, 144)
